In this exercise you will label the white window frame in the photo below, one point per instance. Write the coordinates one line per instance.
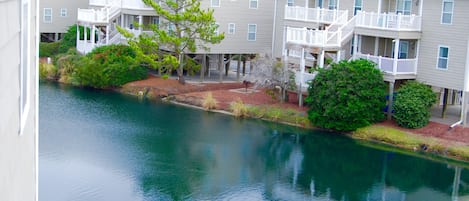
(218, 4)
(443, 11)
(402, 10)
(44, 15)
(251, 4)
(231, 28)
(357, 8)
(255, 32)
(438, 58)
(25, 65)
(290, 2)
(63, 12)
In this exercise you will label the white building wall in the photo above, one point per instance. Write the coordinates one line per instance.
(18, 152)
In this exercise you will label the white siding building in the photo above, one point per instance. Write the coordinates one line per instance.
(18, 137)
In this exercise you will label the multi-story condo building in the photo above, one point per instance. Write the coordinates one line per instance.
(425, 40)
(18, 137)
(56, 16)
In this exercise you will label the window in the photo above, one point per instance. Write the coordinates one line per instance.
(290, 2)
(357, 6)
(447, 12)
(215, 3)
(443, 53)
(403, 50)
(47, 15)
(253, 4)
(155, 21)
(404, 7)
(252, 29)
(332, 5)
(171, 28)
(319, 4)
(63, 12)
(231, 28)
(217, 30)
(24, 65)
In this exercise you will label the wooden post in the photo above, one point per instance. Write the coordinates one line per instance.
(220, 66)
(445, 103)
(238, 67)
(391, 99)
(227, 66)
(202, 70)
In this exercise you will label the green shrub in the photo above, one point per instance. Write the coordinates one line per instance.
(347, 96)
(412, 105)
(48, 49)
(66, 64)
(109, 66)
(47, 71)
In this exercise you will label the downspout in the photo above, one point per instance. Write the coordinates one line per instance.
(464, 93)
(274, 28)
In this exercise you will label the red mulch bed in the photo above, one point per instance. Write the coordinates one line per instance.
(224, 94)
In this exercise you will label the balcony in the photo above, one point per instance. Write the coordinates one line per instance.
(390, 65)
(389, 21)
(319, 15)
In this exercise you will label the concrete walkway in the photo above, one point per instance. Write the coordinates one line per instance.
(452, 114)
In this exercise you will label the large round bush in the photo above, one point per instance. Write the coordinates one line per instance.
(109, 66)
(412, 105)
(347, 96)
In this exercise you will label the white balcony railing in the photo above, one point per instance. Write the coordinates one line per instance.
(306, 37)
(110, 9)
(314, 14)
(389, 21)
(391, 65)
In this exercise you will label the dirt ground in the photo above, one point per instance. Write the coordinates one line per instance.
(225, 93)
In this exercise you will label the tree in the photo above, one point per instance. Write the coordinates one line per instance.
(184, 27)
(270, 73)
(347, 96)
(412, 105)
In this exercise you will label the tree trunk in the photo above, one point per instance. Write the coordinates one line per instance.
(180, 70)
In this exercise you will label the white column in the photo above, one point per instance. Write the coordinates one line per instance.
(396, 55)
(338, 56)
(321, 58)
(465, 93)
(140, 23)
(302, 72)
(85, 39)
(379, 6)
(78, 34)
(93, 30)
(355, 45)
(122, 20)
(107, 34)
(421, 8)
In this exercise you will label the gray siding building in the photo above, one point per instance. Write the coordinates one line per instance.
(55, 16)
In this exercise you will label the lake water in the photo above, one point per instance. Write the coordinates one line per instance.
(101, 145)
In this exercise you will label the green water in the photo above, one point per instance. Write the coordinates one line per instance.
(97, 145)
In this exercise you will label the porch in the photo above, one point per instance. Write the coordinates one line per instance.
(318, 15)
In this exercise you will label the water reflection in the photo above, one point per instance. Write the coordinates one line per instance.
(98, 145)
